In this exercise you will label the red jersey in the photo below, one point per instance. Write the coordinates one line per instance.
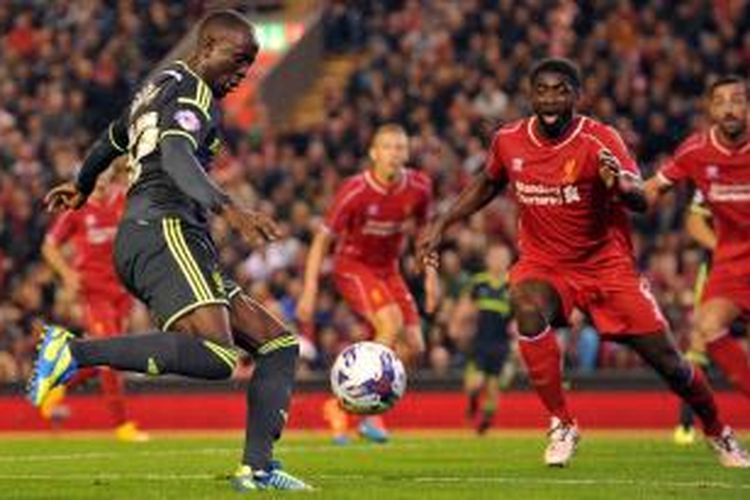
(722, 175)
(567, 216)
(370, 218)
(91, 230)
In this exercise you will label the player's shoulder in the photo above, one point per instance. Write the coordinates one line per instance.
(510, 133)
(516, 127)
(352, 183)
(695, 143)
(597, 128)
(418, 179)
(187, 86)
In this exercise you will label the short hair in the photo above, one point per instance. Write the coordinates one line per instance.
(388, 128)
(560, 65)
(727, 80)
(220, 20)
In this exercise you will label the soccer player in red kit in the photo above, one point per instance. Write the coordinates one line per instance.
(91, 278)
(368, 219)
(717, 162)
(573, 180)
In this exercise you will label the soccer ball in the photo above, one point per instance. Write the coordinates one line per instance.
(368, 378)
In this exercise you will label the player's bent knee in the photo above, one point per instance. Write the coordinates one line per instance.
(225, 360)
(529, 318)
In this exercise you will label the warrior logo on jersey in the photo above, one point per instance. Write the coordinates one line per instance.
(712, 172)
(516, 164)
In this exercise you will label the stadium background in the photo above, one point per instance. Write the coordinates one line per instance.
(330, 72)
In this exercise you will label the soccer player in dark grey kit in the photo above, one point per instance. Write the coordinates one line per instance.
(165, 256)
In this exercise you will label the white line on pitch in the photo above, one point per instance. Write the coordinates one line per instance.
(197, 451)
(417, 480)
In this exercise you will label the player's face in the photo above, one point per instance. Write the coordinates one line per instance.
(497, 259)
(729, 109)
(229, 59)
(553, 99)
(390, 152)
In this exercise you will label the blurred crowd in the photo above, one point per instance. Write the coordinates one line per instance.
(450, 71)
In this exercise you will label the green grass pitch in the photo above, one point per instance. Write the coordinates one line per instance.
(432, 465)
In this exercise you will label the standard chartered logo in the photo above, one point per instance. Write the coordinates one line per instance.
(541, 194)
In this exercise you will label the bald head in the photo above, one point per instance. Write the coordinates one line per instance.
(226, 49)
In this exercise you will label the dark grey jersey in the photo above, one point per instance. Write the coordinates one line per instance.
(174, 102)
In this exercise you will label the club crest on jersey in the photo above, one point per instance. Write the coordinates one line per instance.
(570, 171)
(373, 210)
(712, 172)
(516, 164)
(188, 120)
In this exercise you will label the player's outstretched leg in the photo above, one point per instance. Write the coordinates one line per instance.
(535, 303)
(688, 382)
(269, 393)
(61, 355)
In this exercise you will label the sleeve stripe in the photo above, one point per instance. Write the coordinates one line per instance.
(180, 133)
(202, 99)
(113, 141)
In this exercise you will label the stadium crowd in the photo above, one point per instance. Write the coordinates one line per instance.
(450, 71)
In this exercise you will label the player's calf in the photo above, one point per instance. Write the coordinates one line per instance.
(159, 353)
(268, 396)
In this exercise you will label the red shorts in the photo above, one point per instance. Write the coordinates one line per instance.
(727, 284)
(107, 315)
(617, 299)
(367, 289)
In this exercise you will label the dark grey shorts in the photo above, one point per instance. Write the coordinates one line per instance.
(172, 267)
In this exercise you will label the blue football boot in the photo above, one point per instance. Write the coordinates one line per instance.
(54, 363)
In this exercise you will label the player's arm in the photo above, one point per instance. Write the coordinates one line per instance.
(318, 250)
(654, 188)
(53, 254)
(674, 170)
(698, 223)
(109, 145)
(473, 198)
(619, 170)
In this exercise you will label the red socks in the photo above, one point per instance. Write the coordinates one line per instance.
(544, 366)
(733, 361)
(113, 394)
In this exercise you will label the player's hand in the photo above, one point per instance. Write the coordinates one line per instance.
(432, 289)
(255, 227)
(427, 245)
(64, 197)
(305, 307)
(609, 168)
(613, 175)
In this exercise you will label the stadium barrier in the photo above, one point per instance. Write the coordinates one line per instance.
(633, 402)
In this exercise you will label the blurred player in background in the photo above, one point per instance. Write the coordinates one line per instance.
(490, 368)
(166, 257)
(717, 162)
(89, 276)
(369, 220)
(573, 180)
